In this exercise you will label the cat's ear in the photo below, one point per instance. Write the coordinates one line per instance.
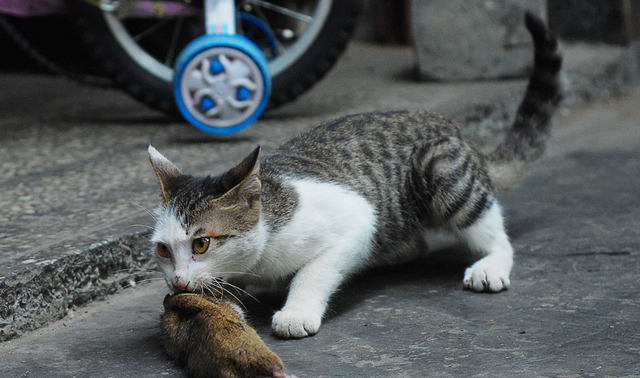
(243, 181)
(168, 174)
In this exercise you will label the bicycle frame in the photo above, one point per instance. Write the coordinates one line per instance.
(30, 8)
(142, 8)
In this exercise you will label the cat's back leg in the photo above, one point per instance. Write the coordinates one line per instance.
(452, 190)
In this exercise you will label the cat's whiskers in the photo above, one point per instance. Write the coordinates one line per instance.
(220, 285)
(134, 283)
(213, 294)
(220, 282)
(201, 286)
(151, 213)
(247, 271)
(220, 289)
(142, 226)
(241, 290)
(133, 270)
(150, 279)
(240, 274)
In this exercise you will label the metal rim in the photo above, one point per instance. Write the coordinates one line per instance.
(278, 65)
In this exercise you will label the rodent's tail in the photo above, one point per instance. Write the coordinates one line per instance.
(525, 140)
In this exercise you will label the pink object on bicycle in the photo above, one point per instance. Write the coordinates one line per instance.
(141, 9)
(25, 8)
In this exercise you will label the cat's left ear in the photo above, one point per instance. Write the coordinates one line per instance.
(243, 181)
(169, 175)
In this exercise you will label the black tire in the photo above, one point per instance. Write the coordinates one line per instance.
(297, 78)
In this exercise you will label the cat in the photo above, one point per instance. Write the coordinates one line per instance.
(349, 194)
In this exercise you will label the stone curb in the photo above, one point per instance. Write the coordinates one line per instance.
(36, 296)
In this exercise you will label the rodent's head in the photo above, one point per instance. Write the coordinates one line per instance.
(208, 229)
(193, 304)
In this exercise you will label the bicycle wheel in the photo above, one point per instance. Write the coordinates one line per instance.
(136, 42)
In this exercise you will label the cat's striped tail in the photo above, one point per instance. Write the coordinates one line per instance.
(525, 140)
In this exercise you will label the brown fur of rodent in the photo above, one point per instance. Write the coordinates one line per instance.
(212, 339)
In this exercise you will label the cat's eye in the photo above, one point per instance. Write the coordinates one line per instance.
(201, 245)
(163, 251)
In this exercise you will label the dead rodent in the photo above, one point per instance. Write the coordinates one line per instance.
(211, 338)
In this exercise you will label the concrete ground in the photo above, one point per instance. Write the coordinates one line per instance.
(75, 181)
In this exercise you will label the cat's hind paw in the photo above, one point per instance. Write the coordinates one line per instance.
(291, 324)
(483, 277)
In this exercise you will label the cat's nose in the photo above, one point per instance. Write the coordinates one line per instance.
(180, 287)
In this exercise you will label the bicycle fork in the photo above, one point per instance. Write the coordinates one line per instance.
(221, 79)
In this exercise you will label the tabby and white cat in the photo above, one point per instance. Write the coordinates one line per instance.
(349, 194)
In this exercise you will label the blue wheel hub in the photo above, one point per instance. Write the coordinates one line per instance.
(206, 104)
(221, 83)
(243, 94)
(216, 67)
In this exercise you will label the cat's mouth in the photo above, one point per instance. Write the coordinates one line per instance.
(178, 288)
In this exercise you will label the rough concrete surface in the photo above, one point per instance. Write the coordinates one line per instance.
(75, 179)
(572, 311)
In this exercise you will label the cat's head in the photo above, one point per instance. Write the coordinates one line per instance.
(207, 228)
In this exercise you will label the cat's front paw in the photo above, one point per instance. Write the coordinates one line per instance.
(291, 324)
(482, 276)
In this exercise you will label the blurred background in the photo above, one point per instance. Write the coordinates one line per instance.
(387, 22)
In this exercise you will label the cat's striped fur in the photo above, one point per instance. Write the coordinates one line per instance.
(350, 193)
(417, 166)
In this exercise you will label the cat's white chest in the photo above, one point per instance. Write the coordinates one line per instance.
(327, 217)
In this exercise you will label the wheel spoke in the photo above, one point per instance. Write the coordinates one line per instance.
(282, 10)
(148, 31)
(235, 70)
(244, 82)
(227, 111)
(238, 104)
(266, 21)
(195, 81)
(174, 41)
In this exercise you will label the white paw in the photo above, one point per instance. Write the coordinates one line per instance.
(482, 276)
(295, 324)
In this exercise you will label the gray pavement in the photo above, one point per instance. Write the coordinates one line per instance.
(75, 181)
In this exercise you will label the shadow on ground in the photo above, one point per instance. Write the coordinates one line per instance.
(442, 266)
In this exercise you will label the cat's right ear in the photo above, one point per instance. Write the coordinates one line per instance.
(168, 174)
